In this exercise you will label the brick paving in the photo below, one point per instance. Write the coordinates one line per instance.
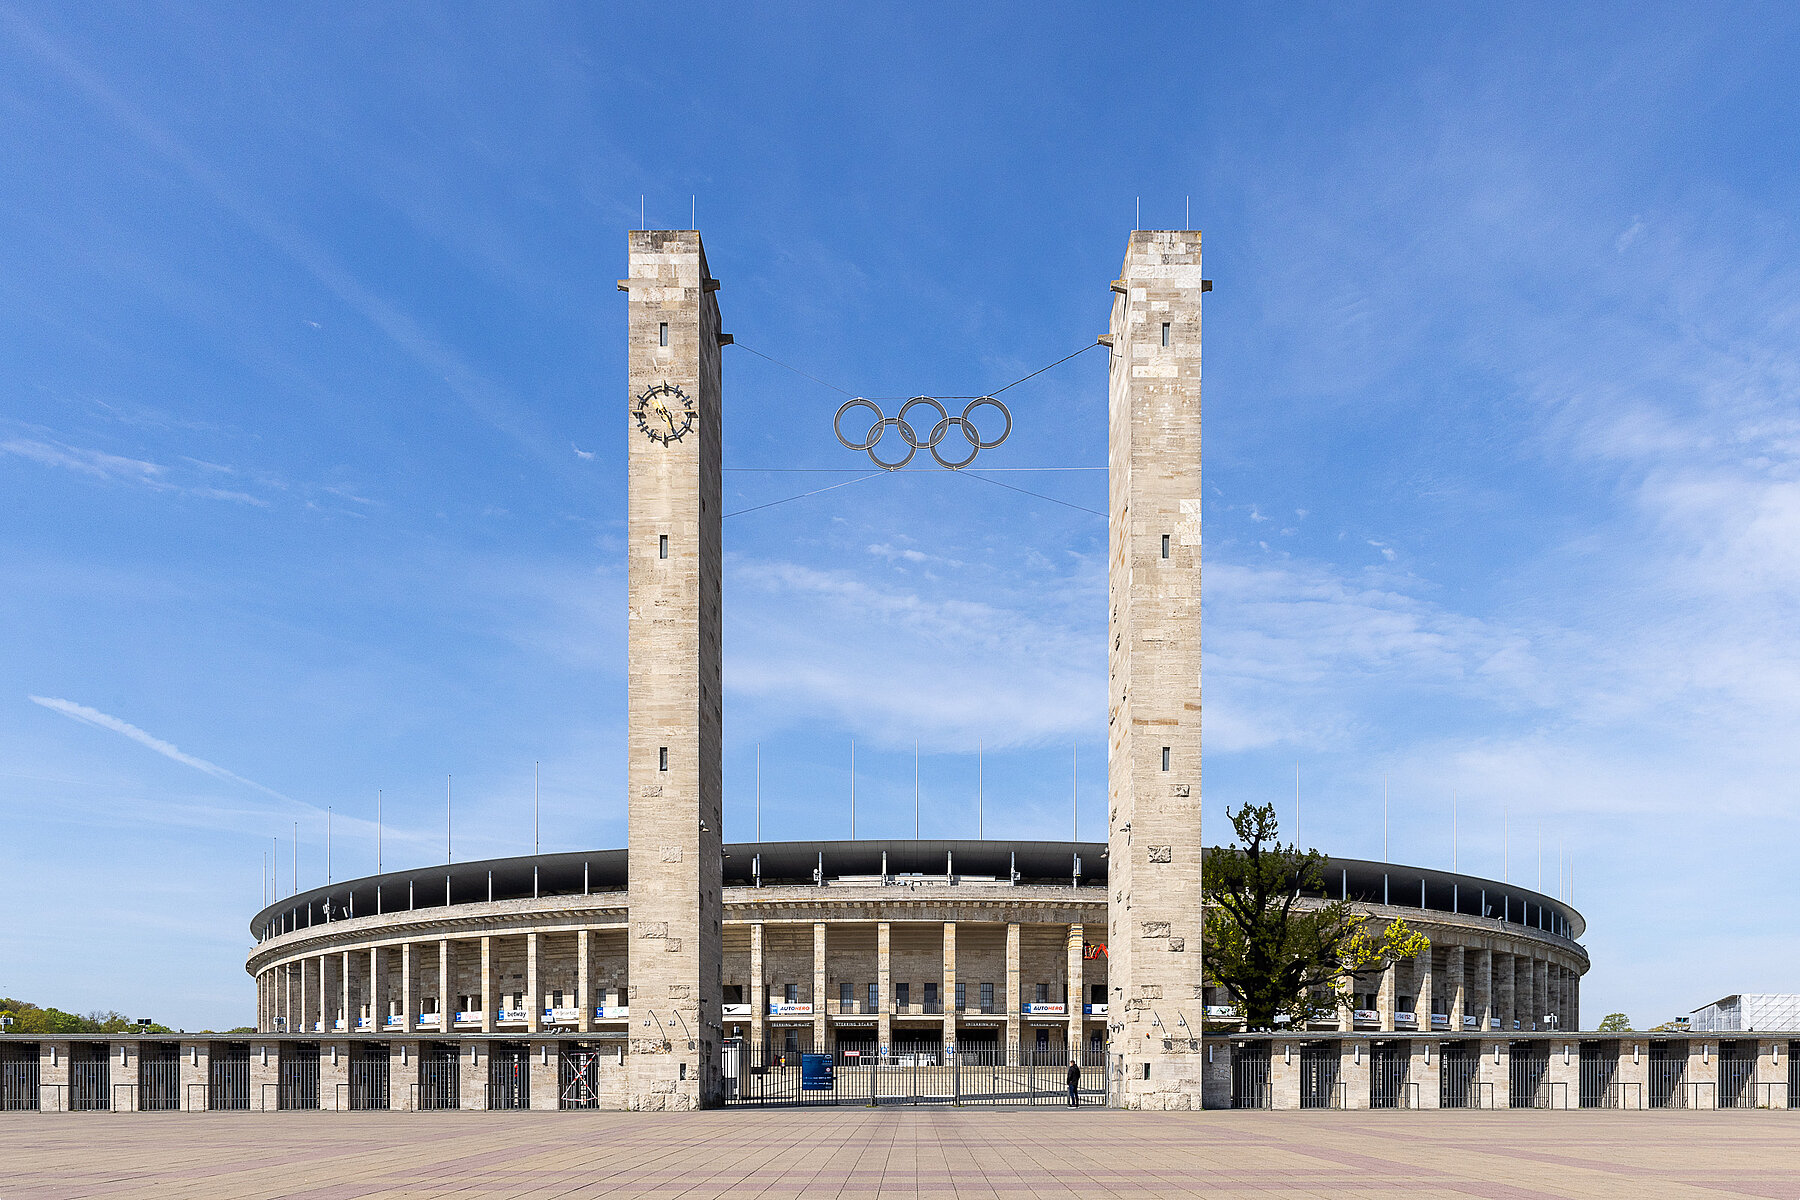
(1016, 1155)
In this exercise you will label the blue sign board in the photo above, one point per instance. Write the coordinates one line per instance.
(815, 1073)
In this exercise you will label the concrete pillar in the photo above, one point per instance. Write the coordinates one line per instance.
(534, 1018)
(196, 1058)
(301, 971)
(950, 1011)
(1540, 992)
(884, 987)
(1574, 999)
(265, 1073)
(1355, 1072)
(1014, 989)
(820, 1044)
(585, 1022)
(1072, 993)
(1385, 994)
(1772, 1067)
(1565, 1070)
(542, 1066)
(400, 1058)
(487, 984)
(1427, 1062)
(759, 988)
(409, 1008)
(346, 997)
(1703, 1068)
(1422, 997)
(1496, 1069)
(1634, 1072)
(1483, 990)
(472, 1068)
(1284, 1075)
(378, 990)
(444, 1002)
(324, 994)
(1454, 968)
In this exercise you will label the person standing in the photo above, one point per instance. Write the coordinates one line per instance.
(1074, 1082)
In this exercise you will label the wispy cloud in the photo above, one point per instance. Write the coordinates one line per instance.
(100, 720)
(98, 464)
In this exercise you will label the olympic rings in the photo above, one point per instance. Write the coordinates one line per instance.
(909, 433)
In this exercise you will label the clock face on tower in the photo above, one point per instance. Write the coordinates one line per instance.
(664, 413)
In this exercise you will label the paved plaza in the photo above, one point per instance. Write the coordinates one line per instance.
(891, 1153)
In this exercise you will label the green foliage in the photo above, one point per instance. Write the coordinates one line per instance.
(1276, 956)
(1614, 1023)
(29, 1019)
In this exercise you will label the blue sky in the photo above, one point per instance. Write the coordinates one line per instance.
(312, 425)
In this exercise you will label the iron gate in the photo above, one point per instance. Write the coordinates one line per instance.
(1793, 1076)
(369, 1077)
(18, 1077)
(228, 1077)
(851, 1074)
(90, 1077)
(1599, 1066)
(1250, 1076)
(439, 1076)
(509, 1077)
(1320, 1064)
(1389, 1067)
(1459, 1075)
(1528, 1074)
(159, 1076)
(299, 1067)
(578, 1076)
(1737, 1072)
(1668, 1065)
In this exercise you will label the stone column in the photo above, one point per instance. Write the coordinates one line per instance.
(1496, 1069)
(1427, 1062)
(1072, 993)
(1484, 990)
(1771, 1067)
(583, 1000)
(1355, 1072)
(299, 968)
(820, 1045)
(324, 994)
(951, 1014)
(1634, 1071)
(334, 1069)
(759, 989)
(542, 1067)
(884, 988)
(1540, 990)
(487, 984)
(1505, 975)
(1284, 1075)
(1574, 999)
(472, 1066)
(344, 996)
(1385, 994)
(534, 1013)
(1013, 997)
(444, 1000)
(409, 1020)
(1422, 993)
(1565, 1068)
(196, 1059)
(377, 991)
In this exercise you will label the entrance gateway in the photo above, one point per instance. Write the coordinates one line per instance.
(678, 1055)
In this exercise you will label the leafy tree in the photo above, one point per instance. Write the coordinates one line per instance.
(1276, 956)
(29, 1018)
(1614, 1023)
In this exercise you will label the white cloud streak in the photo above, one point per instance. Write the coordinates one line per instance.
(100, 720)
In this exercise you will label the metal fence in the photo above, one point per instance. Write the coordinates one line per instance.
(1528, 1069)
(159, 1076)
(1599, 1066)
(509, 1078)
(758, 1075)
(439, 1077)
(578, 1075)
(228, 1078)
(1737, 1074)
(1665, 1077)
(299, 1077)
(1389, 1085)
(369, 1078)
(1459, 1077)
(1250, 1086)
(19, 1077)
(90, 1077)
(1320, 1065)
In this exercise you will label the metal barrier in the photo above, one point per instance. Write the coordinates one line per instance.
(1459, 1077)
(19, 1079)
(159, 1077)
(1389, 1066)
(189, 1097)
(1250, 1066)
(757, 1075)
(228, 1077)
(59, 1090)
(131, 1101)
(90, 1082)
(1624, 1094)
(1690, 1094)
(1665, 1077)
(1320, 1086)
(1765, 1092)
(369, 1089)
(1737, 1072)
(440, 1078)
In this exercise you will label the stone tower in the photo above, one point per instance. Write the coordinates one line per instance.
(673, 770)
(1153, 664)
